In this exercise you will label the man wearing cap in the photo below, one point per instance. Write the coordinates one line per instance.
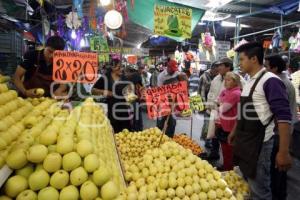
(224, 65)
(169, 76)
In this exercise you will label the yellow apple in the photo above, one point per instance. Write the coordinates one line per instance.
(65, 145)
(48, 137)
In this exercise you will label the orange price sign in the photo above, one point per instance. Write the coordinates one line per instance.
(159, 100)
(75, 67)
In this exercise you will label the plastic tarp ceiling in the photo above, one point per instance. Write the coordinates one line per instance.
(142, 13)
(284, 8)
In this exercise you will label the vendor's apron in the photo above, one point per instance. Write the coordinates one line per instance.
(249, 135)
(38, 80)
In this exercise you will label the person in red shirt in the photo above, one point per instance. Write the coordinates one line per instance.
(228, 109)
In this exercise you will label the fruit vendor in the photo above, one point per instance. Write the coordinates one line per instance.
(35, 71)
(263, 99)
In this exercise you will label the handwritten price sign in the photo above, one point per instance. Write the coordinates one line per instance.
(75, 67)
(159, 99)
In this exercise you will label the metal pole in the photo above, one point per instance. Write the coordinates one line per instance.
(281, 23)
(267, 30)
(236, 41)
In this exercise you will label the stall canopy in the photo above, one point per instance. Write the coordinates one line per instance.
(142, 13)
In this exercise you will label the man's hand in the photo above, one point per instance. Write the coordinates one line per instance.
(107, 93)
(283, 161)
(31, 93)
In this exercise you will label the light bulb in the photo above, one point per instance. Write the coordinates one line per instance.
(105, 2)
(73, 34)
(82, 43)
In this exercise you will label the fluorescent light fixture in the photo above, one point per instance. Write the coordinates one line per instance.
(201, 24)
(217, 3)
(232, 24)
(214, 16)
(139, 46)
(105, 2)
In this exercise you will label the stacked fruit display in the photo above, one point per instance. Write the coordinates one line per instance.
(69, 156)
(187, 143)
(238, 185)
(4, 79)
(173, 172)
(196, 103)
(133, 145)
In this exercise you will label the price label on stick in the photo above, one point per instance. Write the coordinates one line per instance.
(75, 67)
(159, 100)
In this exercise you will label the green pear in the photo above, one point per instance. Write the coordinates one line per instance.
(78, 176)
(52, 162)
(3, 197)
(17, 159)
(64, 145)
(27, 195)
(15, 185)
(25, 171)
(101, 175)
(59, 179)
(48, 193)
(84, 148)
(38, 180)
(48, 137)
(91, 163)
(71, 161)
(109, 191)
(88, 191)
(69, 193)
(37, 153)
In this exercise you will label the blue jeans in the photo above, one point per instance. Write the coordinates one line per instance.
(261, 186)
(293, 180)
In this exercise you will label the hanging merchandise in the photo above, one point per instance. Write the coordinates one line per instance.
(242, 42)
(41, 2)
(99, 44)
(208, 44)
(78, 5)
(177, 55)
(92, 13)
(277, 39)
(73, 21)
(230, 54)
(172, 21)
(132, 4)
(121, 6)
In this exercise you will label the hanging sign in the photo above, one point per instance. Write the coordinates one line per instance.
(75, 67)
(173, 21)
(159, 100)
(99, 44)
(132, 59)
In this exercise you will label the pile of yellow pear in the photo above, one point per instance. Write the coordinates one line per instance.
(238, 185)
(172, 172)
(64, 157)
(133, 145)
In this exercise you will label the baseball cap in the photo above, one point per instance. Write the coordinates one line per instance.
(223, 61)
(172, 65)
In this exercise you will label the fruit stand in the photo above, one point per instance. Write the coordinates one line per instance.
(50, 153)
